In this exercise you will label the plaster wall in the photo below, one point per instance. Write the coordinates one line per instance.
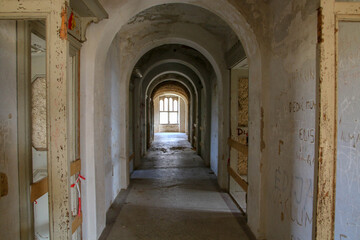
(9, 205)
(347, 205)
(288, 119)
(183, 115)
(131, 129)
(111, 112)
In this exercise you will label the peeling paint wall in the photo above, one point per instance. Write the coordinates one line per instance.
(9, 205)
(347, 206)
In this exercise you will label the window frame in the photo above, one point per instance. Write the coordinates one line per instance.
(166, 108)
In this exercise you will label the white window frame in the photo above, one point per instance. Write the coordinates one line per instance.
(169, 109)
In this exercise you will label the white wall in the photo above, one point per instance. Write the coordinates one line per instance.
(111, 125)
(347, 206)
(9, 205)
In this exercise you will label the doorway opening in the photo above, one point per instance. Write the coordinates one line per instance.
(238, 164)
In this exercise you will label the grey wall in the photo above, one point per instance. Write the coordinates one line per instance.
(347, 207)
(9, 205)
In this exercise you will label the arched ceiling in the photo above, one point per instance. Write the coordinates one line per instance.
(168, 16)
(170, 87)
(167, 57)
(182, 23)
(173, 51)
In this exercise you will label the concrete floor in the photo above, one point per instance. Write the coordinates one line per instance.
(174, 196)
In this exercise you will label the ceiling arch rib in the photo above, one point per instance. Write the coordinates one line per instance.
(176, 70)
(174, 79)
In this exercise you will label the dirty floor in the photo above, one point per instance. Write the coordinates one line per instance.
(174, 196)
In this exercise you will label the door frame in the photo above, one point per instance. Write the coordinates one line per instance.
(329, 15)
(24, 29)
(54, 14)
(24, 129)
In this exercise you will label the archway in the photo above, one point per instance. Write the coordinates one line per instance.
(95, 59)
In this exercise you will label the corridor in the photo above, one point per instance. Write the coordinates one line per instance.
(186, 119)
(173, 195)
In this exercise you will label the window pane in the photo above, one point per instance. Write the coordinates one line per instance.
(170, 104)
(175, 105)
(164, 118)
(173, 118)
(166, 107)
(161, 105)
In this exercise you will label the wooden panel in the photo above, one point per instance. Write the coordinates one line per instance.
(238, 146)
(243, 184)
(38, 189)
(76, 223)
(131, 157)
(75, 167)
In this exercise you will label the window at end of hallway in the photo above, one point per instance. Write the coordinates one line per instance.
(169, 110)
